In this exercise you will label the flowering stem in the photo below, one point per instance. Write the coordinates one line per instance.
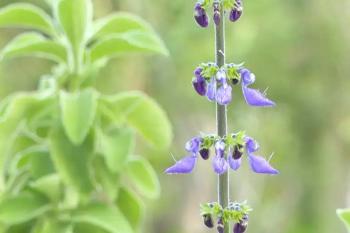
(221, 112)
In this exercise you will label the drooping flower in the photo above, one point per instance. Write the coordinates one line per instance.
(257, 163)
(224, 93)
(200, 15)
(253, 97)
(241, 226)
(211, 90)
(236, 11)
(208, 220)
(220, 165)
(217, 15)
(199, 83)
(187, 164)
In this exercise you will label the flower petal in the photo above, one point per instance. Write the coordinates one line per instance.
(251, 145)
(220, 165)
(220, 148)
(224, 94)
(259, 165)
(247, 77)
(184, 165)
(211, 90)
(193, 145)
(234, 163)
(256, 98)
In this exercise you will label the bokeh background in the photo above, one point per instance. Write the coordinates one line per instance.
(299, 50)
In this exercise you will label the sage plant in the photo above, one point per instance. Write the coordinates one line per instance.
(217, 81)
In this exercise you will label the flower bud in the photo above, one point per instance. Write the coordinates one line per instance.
(239, 228)
(201, 16)
(236, 13)
(220, 226)
(208, 220)
(204, 153)
(237, 154)
(200, 85)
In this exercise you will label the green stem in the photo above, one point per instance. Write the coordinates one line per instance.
(221, 113)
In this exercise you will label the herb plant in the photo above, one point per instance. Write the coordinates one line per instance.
(216, 81)
(67, 161)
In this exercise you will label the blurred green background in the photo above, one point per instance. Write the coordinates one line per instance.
(299, 49)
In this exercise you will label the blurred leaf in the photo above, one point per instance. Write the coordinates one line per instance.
(344, 215)
(78, 113)
(116, 145)
(33, 44)
(118, 23)
(131, 206)
(136, 41)
(142, 113)
(75, 18)
(108, 180)
(88, 228)
(143, 176)
(50, 186)
(106, 217)
(21, 208)
(71, 161)
(52, 226)
(27, 16)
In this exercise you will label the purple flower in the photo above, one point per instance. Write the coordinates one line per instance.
(187, 164)
(182, 166)
(200, 15)
(220, 148)
(194, 145)
(217, 15)
(204, 153)
(241, 226)
(253, 97)
(199, 83)
(208, 220)
(257, 163)
(235, 14)
(224, 93)
(219, 162)
(211, 90)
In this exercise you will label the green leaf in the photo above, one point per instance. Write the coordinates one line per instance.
(344, 215)
(116, 145)
(118, 23)
(131, 206)
(26, 16)
(71, 161)
(143, 176)
(108, 181)
(75, 18)
(50, 186)
(78, 112)
(131, 42)
(34, 44)
(22, 208)
(103, 216)
(48, 225)
(142, 113)
(88, 228)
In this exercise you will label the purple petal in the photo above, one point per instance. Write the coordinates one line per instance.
(182, 166)
(234, 163)
(220, 165)
(193, 145)
(200, 85)
(198, 71)
(256, 98)
(224, 95)
(211, 91)
(201, 16)
(235, 14)
(251, 145)
(247, 76)
(220, 148)
(259, 165)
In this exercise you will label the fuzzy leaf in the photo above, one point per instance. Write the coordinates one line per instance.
(131, 206)
(143, 176)
(344, 215)
(33, 44)
(116, 146)
(71, 161)
(118, 23)
(103, 216)
(21, 208)
(78, 113)
(26, 16)
(142, 113)
(75, 19)
(136, 41)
